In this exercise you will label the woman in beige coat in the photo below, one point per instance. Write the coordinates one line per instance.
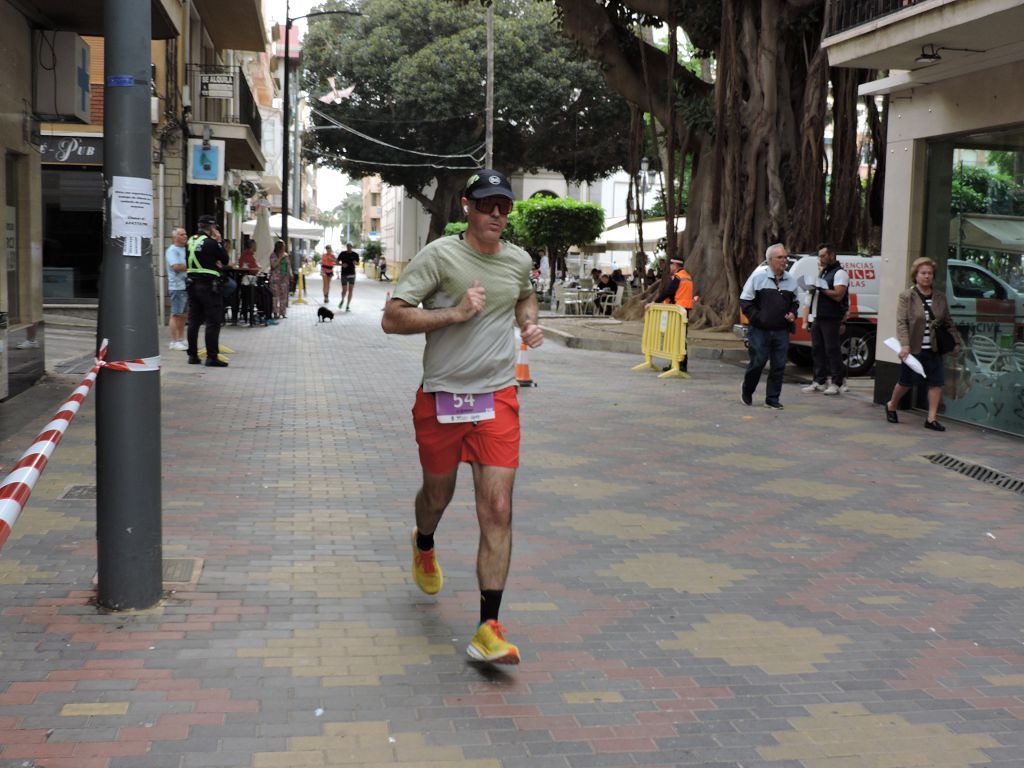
(919, 315)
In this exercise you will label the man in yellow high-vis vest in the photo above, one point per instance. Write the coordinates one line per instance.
(206, 258)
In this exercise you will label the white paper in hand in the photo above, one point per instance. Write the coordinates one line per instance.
(912, 362)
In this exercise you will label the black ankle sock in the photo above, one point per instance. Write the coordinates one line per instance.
(490, 602)
(424, 541)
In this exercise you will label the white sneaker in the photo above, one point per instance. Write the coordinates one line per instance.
(843, 389)
(831, 389)
(813, 387)
(27, 344)
(179, 345)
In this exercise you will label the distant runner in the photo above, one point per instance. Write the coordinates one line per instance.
(348, 260)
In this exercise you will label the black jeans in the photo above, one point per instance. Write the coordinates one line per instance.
(826, 351)
(765, 346)
(205, 305)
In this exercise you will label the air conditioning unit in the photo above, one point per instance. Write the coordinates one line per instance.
(61, 76)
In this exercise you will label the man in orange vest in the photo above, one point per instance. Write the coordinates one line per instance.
(679, 291)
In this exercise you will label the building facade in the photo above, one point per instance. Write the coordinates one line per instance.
(954, 183)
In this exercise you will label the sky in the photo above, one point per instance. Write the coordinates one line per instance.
(331, 185)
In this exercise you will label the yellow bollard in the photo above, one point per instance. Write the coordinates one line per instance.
(664, 337)
(300, 289)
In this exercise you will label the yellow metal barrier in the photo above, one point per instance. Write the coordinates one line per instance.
(664, 337)
(300, 289)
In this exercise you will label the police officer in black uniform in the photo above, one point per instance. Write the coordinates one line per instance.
(206, 257)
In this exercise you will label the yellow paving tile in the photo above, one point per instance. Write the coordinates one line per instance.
(977, 569)
(772, 646)
(592, 697)
(882, 524)
(553, 460)
(16, 572)
(848, 736)
(882, 600)
(345, 653)
(367, 745)
(628, 526)
(751, 461)
(39, 520)
(582, 487)
(683, 574)
(526, 607)
(1012, 681)
(810, 489)
(707, 440)
(97, 709)
(333, 577)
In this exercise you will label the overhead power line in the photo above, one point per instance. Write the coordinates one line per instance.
(337, 124)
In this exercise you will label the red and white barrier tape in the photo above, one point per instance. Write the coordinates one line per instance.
(18, 485)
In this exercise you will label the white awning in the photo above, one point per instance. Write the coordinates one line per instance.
(987, 232)
(297, 228)
(624, 236)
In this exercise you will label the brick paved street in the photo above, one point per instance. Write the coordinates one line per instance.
(694, 582)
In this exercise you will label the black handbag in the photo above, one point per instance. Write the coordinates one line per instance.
(944, 340)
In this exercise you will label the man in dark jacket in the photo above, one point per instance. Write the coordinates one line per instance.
(769, 301)
(206, 259)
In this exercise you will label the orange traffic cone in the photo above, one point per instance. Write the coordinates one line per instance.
(523, 369)
(387, 298)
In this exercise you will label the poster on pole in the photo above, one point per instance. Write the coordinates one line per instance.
(131, 207)
(205, 162)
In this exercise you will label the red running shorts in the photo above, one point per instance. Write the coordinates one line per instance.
(494, 443)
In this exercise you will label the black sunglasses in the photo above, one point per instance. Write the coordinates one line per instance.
(486, 205)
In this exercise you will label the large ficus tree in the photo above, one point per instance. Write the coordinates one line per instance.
(753, 133)
(416, 113)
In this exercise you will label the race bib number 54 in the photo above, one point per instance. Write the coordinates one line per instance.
(453, 407)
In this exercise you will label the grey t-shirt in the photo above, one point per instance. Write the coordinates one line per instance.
(478, 355)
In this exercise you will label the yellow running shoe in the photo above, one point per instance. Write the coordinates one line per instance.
(425, 570)
(489, 644)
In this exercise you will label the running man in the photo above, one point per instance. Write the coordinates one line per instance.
(473, 287)
(348, 260)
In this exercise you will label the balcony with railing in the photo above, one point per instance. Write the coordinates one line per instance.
(907, 34)
(841, 15)
(221, 99)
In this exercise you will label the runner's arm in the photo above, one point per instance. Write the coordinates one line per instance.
(526, 317)
(403, 318)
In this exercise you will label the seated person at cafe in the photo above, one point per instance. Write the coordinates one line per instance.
(618, 278)
(606, 284)
(247, 259)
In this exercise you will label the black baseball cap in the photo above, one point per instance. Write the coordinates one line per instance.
(488, 182)
(207, 220)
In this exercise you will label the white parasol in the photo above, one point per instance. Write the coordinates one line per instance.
(263, 240)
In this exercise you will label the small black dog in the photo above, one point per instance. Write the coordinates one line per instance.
(324, 314)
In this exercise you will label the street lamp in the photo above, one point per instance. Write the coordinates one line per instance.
(640, 258)
(286, 108)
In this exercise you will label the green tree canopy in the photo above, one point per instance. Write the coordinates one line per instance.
(555, 224)
(416, 114)
(751, 128)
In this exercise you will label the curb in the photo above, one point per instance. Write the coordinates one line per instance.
(632, 346)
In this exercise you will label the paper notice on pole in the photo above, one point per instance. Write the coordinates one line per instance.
(132, 245)
(131, 207)
(912, 362)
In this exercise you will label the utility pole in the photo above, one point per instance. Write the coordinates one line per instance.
(489, 97)
(128, 514)
(286, 108)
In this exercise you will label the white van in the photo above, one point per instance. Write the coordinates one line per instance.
(978, 300)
